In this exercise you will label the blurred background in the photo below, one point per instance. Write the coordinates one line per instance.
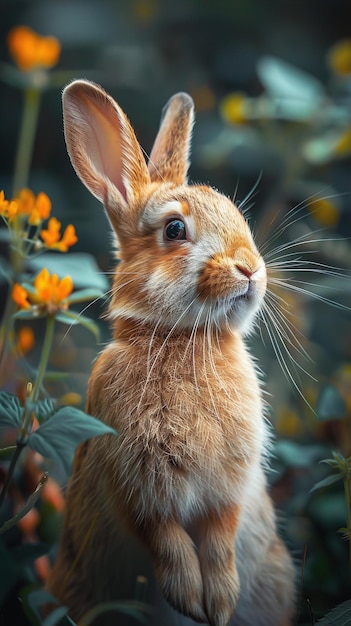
(271, 83)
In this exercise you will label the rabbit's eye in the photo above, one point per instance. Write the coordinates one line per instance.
(175, 230)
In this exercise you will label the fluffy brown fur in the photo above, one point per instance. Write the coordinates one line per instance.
(180, 494)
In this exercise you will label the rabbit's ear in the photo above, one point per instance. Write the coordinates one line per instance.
(169, 158)
(103, 148)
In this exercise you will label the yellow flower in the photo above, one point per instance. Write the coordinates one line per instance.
(324, 211)
(20, 296)
(71, 398)
(52, 236)
(30, 50)
(25, 339)
(343, 147)
(234, 108)
(36, 208)
(49, 293)
(8, 209)
(288, 423)
(339, 58)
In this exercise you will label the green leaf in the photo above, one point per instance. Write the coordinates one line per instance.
(29, 314)
(72, 319)
(33, 598)
(85, 294)
(296, 455)
(339, 616)
(10, 411)
(56, 616)
(330, 404)
(44, 409)
(329, 480)
(26, 507)
(297, 95)
(7, 452)
(132, 608)
(58, 437)
(81, 266)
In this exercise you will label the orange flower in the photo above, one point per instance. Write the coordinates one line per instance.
(69, 238)
(41, 209)
(49, 293)
(26, 201)
(8, 209)
(52, 290)
(31, 50)
(20, 296)
(36, 208)
(51, 236)
(25, 339)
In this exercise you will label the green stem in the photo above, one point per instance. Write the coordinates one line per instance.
(19, 447)
(5, 328)
(26, 138)
(21, 173)
(33, 397)
(49, 334)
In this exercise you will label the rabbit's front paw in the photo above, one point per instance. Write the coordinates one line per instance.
(221, 594)
(181, 583)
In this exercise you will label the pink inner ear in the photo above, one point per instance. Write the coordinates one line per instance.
(103, 143)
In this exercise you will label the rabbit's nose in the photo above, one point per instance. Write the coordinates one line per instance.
(244, 270)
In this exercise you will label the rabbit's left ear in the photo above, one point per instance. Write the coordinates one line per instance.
(169, 158)
(103, 148)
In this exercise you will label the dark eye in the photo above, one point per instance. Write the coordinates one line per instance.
(175, 230)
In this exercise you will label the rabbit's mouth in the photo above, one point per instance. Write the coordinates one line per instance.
(241, 308)
(247, 291)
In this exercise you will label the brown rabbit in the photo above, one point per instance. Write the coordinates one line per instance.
(180, 494)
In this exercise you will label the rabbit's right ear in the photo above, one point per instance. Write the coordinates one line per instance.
(169, 158)
(104, 150)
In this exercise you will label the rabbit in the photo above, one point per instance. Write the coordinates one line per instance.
(179, 495)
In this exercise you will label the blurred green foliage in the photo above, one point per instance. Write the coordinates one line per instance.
(273, 102)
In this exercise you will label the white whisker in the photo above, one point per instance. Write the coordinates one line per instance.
(309, 294)
(285, 327)
(279, 354)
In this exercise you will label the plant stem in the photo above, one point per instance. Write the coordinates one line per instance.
(5, 330)
(47, 343)
(33, 393)
(26, 138)
(19, 447)
(23, 159)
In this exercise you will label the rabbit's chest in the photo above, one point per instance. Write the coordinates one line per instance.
(190, 439)
(188, 432)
